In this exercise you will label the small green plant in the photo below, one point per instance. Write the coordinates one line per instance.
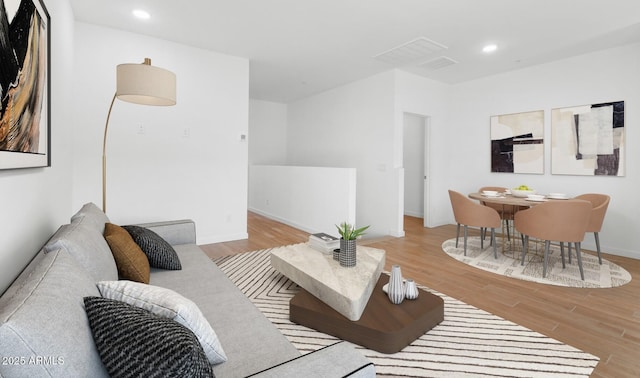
(350, 232)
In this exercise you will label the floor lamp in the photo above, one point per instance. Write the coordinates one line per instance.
(141, 84)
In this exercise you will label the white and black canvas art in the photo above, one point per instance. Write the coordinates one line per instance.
(588, 140)
(517, 142)
(24, 84)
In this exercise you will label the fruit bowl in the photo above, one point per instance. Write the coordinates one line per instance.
(522, 193)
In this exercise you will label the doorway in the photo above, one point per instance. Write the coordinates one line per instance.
(415, 163)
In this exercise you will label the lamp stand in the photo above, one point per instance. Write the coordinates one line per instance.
(104, 158)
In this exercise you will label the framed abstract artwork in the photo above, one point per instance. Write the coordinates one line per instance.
(588, 140)
(24, 84)
(517, 142)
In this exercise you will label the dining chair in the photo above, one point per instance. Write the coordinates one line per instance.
(599, 205)
(561, 221)
(469, 213)
(505, 211)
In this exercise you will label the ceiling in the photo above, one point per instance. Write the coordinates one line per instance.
(298, 48)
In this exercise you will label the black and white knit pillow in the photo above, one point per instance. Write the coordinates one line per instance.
(159, 253)
(133, 342)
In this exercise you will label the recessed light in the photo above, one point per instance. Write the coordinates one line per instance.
(141, 14)
(489, 48)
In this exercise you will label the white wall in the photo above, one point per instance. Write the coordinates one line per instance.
(267, 132)
(418, 95)
(190, 162)
(353, 127)
(604, 76)
(313, 199)
(35, 202)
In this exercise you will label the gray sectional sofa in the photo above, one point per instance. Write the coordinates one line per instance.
(44, 329)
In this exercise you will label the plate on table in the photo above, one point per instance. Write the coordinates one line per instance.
(491, 195)
(559, 196)
(536, 199)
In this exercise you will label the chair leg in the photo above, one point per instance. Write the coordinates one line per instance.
(562, 254)
(493, 241)
(465, 240)
(598, 247)
(508, 236)
(482, 232)
(457, 234)
(525, 247)
(579, 260)
(546, 258)
(569, 251)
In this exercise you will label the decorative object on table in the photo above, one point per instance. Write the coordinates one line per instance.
(517, 142)
(336, 254)
(588, 140)
(324, 243)
(410, 289)
(395, 290)
(141, 84)
(347, 255)
(522, 191)
(349, 235)
(25, 122)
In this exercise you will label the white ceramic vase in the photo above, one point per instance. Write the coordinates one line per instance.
(410, 290)
(395, 290)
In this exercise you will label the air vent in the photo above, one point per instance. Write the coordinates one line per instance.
(419, 48)
(438, 63)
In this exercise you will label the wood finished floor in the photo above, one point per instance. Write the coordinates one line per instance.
(603, 322)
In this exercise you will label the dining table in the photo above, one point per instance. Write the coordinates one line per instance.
(514, 203)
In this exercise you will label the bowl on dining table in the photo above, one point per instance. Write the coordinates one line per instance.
(490, 193)
(522, 193)
(558, 196)
(535, 197)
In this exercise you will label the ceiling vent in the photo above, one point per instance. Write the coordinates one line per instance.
(419, 48)
(438, 63)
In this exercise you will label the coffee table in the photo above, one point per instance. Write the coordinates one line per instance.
(383, 327)
(346, 290)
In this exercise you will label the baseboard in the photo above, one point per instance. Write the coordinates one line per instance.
(286, 221)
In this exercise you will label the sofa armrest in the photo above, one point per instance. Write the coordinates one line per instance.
(174, 232)
(337, 360)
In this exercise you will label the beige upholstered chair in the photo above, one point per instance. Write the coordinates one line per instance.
(562, 221)
(599, 205)
(470, 213)
(505, 211)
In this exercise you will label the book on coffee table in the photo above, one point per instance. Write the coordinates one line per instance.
(323, 242)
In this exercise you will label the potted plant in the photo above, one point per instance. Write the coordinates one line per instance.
(349, 233)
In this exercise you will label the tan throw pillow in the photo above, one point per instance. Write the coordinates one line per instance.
(132, 263)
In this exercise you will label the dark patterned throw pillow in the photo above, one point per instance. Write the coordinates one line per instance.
(132, 342)
(159, 253)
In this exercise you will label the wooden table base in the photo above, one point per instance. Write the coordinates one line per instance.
(383, 327)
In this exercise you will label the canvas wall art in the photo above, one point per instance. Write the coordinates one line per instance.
(24, 84)
(517, 142)
(588, 140)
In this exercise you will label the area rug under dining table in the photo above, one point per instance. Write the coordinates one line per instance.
(469, 342)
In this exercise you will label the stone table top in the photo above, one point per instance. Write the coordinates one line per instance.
(346, 290)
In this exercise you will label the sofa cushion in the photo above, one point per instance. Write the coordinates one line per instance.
(92, 215)
(132, 263)
(169, 304)
(133, 342)
(251, 342)
(159, 253)
(42, 320)
(87, 245)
